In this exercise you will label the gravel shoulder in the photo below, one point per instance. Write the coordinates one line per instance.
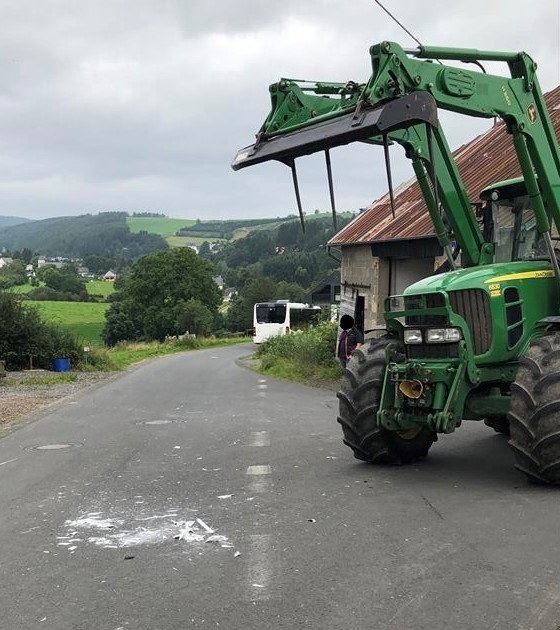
(22, 393)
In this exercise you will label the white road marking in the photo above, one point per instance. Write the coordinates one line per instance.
(263, 469)
(259, 485)
(260, 481)
(259, 578)
(259, 438)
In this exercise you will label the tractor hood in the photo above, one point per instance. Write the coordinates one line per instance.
(483, 277)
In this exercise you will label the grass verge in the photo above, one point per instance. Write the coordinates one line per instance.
(124, 355)
(304, 357)
(47, 379)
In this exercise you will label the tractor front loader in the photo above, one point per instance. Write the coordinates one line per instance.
(482, 340)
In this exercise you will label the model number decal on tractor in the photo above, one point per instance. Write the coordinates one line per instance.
(524, 275)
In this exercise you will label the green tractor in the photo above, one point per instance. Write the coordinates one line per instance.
(480, 341)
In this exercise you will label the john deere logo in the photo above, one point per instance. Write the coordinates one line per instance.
(532, 113)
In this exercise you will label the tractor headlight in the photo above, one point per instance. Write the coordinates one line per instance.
(396, 303)
(443, 335)
(412, 335)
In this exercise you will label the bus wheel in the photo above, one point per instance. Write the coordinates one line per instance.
(535, 411)
(358, 404)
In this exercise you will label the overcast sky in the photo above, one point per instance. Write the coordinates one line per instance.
(140, 105)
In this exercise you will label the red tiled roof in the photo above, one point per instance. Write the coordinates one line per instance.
(488, 158)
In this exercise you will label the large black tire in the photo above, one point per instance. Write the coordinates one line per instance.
(358, 403)
(535, 411)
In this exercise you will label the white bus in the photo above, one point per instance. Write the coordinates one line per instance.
(282, 317)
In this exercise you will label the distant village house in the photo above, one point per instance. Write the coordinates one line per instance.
(5, 261)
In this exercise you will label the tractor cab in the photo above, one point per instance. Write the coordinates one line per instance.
(510, 223)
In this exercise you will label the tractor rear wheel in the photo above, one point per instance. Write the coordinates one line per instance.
(358, 405)
(535, 411)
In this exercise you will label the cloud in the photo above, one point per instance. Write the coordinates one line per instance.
(142, 104)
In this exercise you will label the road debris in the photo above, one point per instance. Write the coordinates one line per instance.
(113, 533)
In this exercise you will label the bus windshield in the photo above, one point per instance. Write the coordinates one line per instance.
(270, 313)
(271, 319)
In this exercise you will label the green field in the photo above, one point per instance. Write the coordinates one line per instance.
(93, 287)
(83, 319)
(100, 287)
(163, 226)
(22, 288)
(167, 227)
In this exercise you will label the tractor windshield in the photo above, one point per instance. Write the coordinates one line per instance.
(515, 230)
(514, 225)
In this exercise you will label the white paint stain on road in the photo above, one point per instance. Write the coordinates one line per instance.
(109, 532)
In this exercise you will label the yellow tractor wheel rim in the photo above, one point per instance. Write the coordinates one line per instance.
(409, 434)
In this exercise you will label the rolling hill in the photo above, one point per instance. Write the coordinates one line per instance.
(9, 221)
(105, 234)
(118, 234)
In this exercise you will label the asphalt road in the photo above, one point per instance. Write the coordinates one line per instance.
(192, 492)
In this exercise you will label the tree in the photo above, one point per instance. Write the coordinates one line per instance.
(290, 291)
(118, 325)
(204, 250)
(240, 313)
(195, 318)
(13, 274)
(152, 296)
(65, 280)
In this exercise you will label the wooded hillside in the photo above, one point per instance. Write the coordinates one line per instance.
(105, 234)
(8, 221)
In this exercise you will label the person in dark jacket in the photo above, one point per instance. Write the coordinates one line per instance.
(349, 339)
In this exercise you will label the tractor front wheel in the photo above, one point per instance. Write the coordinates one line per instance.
(535, 411)
(359, 401)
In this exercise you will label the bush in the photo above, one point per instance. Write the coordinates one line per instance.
(310, 349)
(51, 295)
(26, 338)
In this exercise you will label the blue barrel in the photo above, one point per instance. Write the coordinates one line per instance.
(61, 365)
